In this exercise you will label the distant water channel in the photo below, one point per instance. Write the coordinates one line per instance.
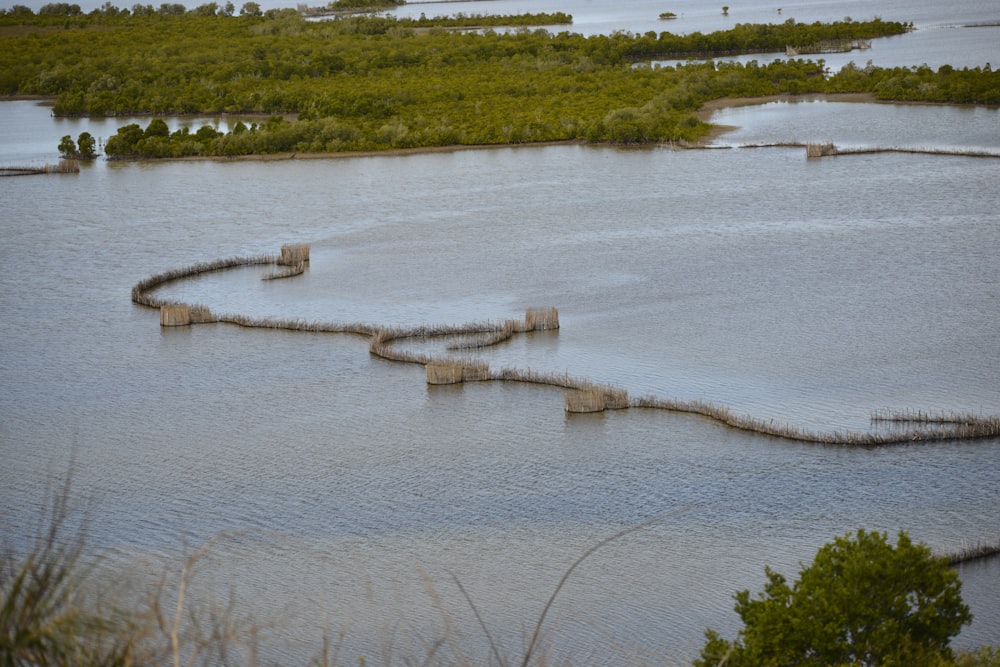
(807, 291)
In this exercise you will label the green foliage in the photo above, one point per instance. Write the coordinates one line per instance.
(377, 82)
(67, 147)
(863, 601)
(984, 656)
(87, 145)
(61, 9)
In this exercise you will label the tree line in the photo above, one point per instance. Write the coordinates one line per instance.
(378, 82)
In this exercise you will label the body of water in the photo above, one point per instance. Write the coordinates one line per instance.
(346, 494)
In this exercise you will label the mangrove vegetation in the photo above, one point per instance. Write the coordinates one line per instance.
(361, 83)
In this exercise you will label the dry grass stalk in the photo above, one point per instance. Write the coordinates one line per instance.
(475, 371)
(890, 415)
(294, 253)
(21, 171)
(453, 372)
(530, 376)
(503, 333)
(541, 319)
(63, 167)
(985, 427)
(973, 552)
(141, 290)
(616, 398)
(304, 326)
(202, 315)
(918, 151)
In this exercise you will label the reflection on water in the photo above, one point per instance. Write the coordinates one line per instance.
(858, 125)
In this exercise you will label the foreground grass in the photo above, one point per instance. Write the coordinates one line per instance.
(54, 613)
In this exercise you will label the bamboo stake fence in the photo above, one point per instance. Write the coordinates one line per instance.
(970, 552)
(65, 166)
(580, 394)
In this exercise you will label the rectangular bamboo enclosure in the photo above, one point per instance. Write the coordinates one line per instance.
(584, 400)
(596, 399)
(820, 150)
(541, 319)
(175, 316)
(294, 253)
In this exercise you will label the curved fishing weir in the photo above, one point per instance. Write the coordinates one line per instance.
(581, 394)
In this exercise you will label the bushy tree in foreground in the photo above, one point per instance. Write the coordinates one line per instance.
(863, 601)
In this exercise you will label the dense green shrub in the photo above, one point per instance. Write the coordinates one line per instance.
(863, 601)
(382, 82)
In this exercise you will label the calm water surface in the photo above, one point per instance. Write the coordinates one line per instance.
(807, 291)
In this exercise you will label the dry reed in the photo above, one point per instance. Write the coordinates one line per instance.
(454, 372)
(22, 171)
(828, 149)
(63, 167)
(292, 270)
(969, 552)
(141, 290)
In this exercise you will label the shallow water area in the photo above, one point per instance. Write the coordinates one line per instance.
(806, 119)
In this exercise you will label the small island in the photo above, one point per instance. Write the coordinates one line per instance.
(368, 82)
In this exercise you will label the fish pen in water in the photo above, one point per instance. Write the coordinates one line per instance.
(293, 254)
(584, 400)
(61, 167)
(820, 150)
(582, 395)
(175, 315)
(541, 319)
